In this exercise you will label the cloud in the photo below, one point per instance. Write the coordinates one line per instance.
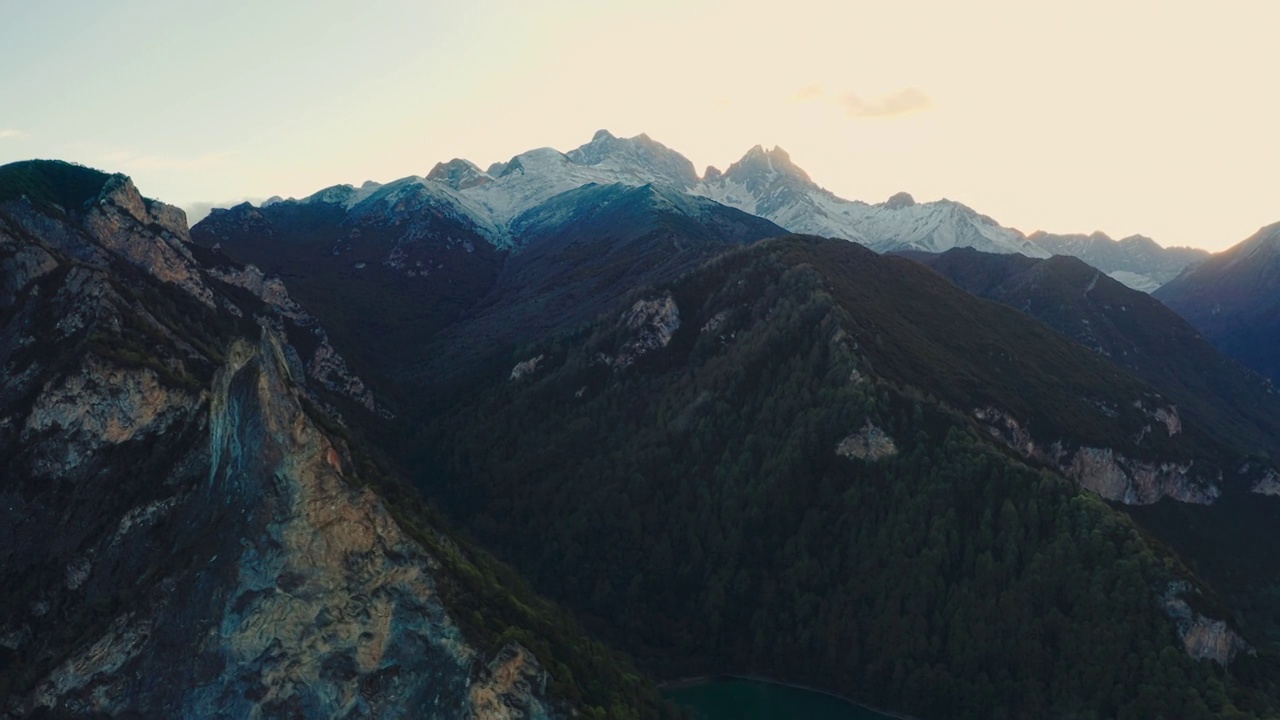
(902, 102)
(10, 134)
(808, 92)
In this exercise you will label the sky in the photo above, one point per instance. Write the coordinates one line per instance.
(1126, 117)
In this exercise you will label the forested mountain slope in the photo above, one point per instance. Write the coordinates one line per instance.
(810, 462)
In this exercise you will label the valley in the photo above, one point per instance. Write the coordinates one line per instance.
(571, 427)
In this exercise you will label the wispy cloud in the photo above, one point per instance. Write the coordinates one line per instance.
(128, 160)
(11, 134)
(809, 92)
(900, 102)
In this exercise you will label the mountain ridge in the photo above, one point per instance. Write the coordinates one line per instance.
(762, 182)
(1233, 298)
(225, 546)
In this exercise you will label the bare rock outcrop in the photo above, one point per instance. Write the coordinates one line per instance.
(651, 322)
(526, 367)
(1268, 484)
(325, 365)
(1106, 472)
(1202, 637)
(148, 234)
(319, 605)
(868, 443)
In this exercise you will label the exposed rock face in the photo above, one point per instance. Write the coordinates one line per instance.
(716, 322)
(119, 220)
(325, 366)
(869, 443)
(1134, 482)
(322, 606)
(98, 406)
(653, 322)
(650, 324)
(1203, 638)
(215, 554)
(1268, 484)
(527, 367)
(1105, 472)
(900, 200)
(1169, 416)
(459, 174)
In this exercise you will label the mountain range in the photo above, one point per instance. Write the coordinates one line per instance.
(765, 183)
(188, 528)
(279, 448)
(628, 316)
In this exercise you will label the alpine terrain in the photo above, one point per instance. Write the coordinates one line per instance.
(731, 450)
(1233, 298)
(189, 529)
(525, 441)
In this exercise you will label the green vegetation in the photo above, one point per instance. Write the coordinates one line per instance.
(1133, 330)
(494, 605)
(1230, 543)
(51, 184)
(692, 507)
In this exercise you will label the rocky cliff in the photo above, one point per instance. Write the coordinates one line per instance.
(184, 532)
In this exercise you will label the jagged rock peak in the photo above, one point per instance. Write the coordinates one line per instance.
(459, 174)
(332, 195)
(900, 200)
(641, 156)
(712, 174)
(760, 161)
(120, 191)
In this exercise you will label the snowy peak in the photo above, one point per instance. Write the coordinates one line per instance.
(763, 182)
(899, 201)
(901, 223)
(459, 174)
(541, 160)
(346, 195)
(640, 157)
(1137, 260)
(767, 183)
(761, 166)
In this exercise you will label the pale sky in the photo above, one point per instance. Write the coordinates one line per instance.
(1160, 118)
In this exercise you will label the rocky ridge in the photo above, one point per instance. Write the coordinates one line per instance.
(1105, 472)
(222, 551)
(765, 183)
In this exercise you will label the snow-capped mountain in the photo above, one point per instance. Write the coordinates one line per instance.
(1136, 261)
(492, 199)
(768, 184)
(641, 159)
(498, 203)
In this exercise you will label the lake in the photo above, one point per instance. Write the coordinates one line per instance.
(740, 699)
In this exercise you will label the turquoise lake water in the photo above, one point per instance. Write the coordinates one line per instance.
(739, 699)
